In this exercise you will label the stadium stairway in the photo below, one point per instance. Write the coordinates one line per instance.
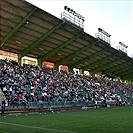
(2, 96)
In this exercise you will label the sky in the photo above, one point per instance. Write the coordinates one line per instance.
(113, 16)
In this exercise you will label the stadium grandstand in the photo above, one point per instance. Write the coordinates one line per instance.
(52, 62)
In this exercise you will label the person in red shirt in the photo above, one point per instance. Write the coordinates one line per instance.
(20, 97)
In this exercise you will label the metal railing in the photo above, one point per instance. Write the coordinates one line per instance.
(102, 37)
(72, 20)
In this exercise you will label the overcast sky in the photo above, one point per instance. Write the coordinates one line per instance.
(113, 16)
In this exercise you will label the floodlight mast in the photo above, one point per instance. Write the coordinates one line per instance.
(122, 47)
(103, 35)
(73, 17)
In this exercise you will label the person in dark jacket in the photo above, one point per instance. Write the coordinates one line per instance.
(3, 103)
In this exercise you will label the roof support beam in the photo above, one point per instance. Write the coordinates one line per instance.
(89, 57)
(59, 47)
(130, 78)
(39, 40)
(128, 75)
(10, 34)
(99, 61)
(105, 66)
(111, 68)
(124, 72)
(120, 68)
(75, 53)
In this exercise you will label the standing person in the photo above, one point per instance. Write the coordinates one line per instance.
(120, 101)
(3, 107)
(105, 102)
(96, 102)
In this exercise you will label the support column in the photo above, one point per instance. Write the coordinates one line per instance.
(80, 71)
(40, 63)
(20, 60)
(57, 67)
(92, 74)
(70, 69)
(16, 28)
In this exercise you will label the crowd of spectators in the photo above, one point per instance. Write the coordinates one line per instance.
(35, 84)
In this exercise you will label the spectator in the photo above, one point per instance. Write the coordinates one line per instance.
(31, 82)
(3, 103)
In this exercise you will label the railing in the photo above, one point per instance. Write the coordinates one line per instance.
(102, 37)
(72, 20)
(58, 104)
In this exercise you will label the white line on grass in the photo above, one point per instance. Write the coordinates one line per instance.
(42, 128)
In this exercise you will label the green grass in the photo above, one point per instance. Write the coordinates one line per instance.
(101, 120)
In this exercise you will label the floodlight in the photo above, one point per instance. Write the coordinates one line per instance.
(78, 15)
(99, 29)
(71, 10)
(65, 7)
(83, 19)
(74, 13)
(68, 9)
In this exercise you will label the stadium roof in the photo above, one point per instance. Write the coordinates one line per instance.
(30, 31)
